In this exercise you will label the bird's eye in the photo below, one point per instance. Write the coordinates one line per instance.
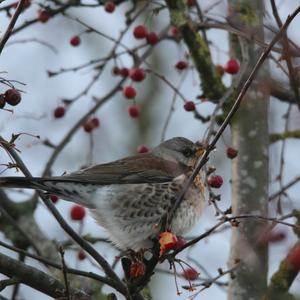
(187, 152)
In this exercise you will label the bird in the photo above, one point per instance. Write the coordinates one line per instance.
(129, 197)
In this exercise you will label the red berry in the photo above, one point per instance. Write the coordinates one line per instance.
(124, 72)
(191, 3)
(272, 237)
(232, 66)
(129, 92)
(88, 126)
(180, 242)
(43, 16)
(12, 97)
(190, 274)
(293, 257)
(53, 198)
(81, 255)
(142, 149)
(231, 152)
(189, 106)
(2, 101)
(75, 41)
(137, 74)
(174, 31)
(215, 181)
(181, 65)
(134, 111)
(109, 7)
(77, 212)
(140, 32)
(59, 112)
(137, 269)
(152, 38)
(95, 122)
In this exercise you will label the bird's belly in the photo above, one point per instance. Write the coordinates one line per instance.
(131, 213)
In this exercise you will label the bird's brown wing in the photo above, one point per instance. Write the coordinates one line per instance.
(142, 168)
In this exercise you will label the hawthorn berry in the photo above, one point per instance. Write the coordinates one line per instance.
(189, 106)
(231, 152)
(180, 242)
(134, 111)
(43, 16)
(12, 97)
(81, 255)
(124, 72)
(95, 121)
(191, 3)
(181, 65)
(2, 101)
(115, 71)
(167, 241)
(77, 212)
(232, 66)
(219, 70)
(88, 126)
(137, 269)
(174, 32)
(215, 181)
(152, 38)
(190, 274)
(293, 257)
(110, 6)
(137, 74)
(142, 149)
(129, 92)
(53, 198)
(59, 112)
(75, 41)
(140, 32)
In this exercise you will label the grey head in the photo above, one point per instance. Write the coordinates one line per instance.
(180, 150)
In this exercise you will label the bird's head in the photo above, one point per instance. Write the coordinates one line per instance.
(180, 150)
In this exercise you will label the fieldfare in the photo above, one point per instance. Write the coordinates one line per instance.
(129, 197)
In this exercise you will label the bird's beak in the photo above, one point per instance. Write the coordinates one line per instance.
(200, 151)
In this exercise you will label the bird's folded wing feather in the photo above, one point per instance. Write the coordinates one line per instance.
(143, 168)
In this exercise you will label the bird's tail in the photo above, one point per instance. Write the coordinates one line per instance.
(63, 188)
(21, 182)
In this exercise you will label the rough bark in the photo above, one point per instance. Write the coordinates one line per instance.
(250, 168)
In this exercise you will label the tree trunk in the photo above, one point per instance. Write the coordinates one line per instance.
(250, 168)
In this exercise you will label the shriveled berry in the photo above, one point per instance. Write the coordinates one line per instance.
(75, 41)
(137, 269)
(232, 66)
(219, 70)
(140, 32)
(43, 16)
(142, 149)
(12, 97)
(190, 274)
(174, 32)
(129, 92)
(110, 6)
(81, 255)
(189, 106)
(181, 65)
(2, 101)
(134, 111)
(124, 72)
(115, 71)
(180, 242)
(152, 38)
(88, 126)
(95, 122)
(53, 198)
(77, 212)
(215, 181)
(59, 112)
(231, 152)
(137, 74)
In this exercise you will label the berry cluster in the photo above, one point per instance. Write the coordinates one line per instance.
(11, 97)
